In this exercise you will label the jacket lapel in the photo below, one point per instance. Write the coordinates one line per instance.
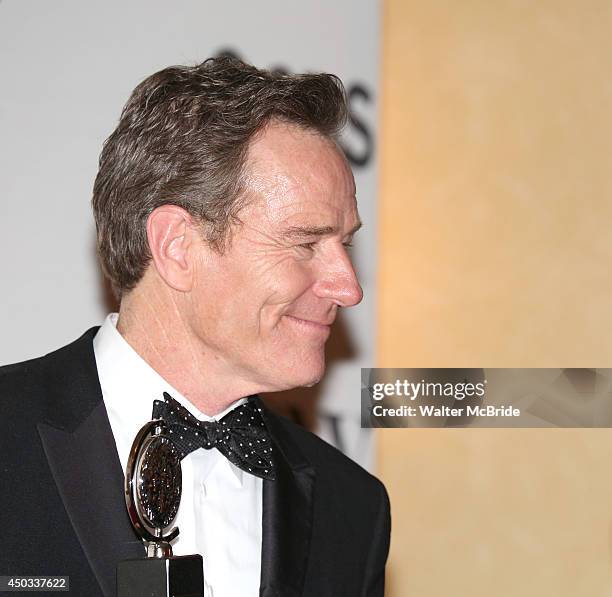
(80, 448)
(287, 517)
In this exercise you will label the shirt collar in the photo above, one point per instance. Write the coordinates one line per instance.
(130, 385)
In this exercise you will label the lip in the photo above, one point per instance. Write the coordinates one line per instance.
(307, 324)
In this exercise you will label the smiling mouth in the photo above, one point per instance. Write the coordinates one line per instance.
(307, 324)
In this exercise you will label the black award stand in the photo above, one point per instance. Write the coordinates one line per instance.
(153, 495)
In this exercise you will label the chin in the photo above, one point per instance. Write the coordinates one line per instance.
(312, 382)
(303, 375)
(312, 376)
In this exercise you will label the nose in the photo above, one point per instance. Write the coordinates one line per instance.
(338, 282)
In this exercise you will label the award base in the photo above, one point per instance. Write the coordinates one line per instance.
(178, 576)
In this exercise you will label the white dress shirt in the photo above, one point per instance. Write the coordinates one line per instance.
(221, 507)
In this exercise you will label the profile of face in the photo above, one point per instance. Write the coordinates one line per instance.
(265, 305)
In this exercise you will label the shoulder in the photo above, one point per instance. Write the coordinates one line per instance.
(331, 465)
(18, 381)
(19, 372)
(26, 386)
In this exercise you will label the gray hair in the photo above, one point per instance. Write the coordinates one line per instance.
(182, 139)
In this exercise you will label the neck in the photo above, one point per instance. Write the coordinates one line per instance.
(152, 324)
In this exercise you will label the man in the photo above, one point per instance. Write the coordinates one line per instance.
(224, 209)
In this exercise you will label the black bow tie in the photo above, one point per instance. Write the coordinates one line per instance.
(241, 435)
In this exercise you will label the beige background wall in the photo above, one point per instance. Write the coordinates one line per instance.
(496, 251)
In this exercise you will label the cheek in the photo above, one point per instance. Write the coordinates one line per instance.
(220, 302)
(295, 280)
(283, 290)
(250, 295)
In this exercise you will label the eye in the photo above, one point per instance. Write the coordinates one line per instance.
(308, 246)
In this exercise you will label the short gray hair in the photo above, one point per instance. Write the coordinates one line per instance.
(182, 139)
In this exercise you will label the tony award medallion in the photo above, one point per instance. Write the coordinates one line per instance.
(152, 497)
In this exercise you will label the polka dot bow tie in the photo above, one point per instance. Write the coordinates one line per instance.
(241, 435)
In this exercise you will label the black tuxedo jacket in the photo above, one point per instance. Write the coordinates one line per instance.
(325, 527)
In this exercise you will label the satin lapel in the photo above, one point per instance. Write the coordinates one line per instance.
(287, 517)
(80, 448)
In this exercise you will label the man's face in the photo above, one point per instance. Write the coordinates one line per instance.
(265, 306)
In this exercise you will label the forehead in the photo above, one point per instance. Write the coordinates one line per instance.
(294, 176)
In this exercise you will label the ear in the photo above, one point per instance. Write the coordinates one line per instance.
(170, 236)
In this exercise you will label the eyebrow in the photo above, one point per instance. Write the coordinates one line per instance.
(299, 232)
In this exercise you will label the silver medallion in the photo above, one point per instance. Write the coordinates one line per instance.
(153, 488)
